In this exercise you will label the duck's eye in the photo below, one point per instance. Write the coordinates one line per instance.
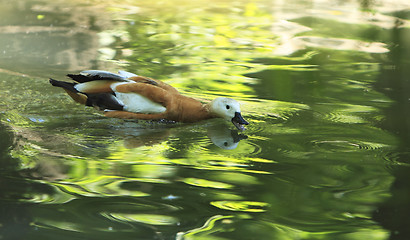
(228, 107)
(225, 144)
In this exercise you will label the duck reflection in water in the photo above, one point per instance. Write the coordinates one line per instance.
(225, 138)
(135, 135)
(219, 134)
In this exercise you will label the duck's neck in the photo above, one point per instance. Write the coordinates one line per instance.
(190, 110)
(204, 112)
(207, 108)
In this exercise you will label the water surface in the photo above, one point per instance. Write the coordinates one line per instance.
(324, 87)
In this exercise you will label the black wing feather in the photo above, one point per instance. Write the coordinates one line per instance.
(102, 101)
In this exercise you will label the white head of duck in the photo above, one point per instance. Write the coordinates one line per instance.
(228, 109)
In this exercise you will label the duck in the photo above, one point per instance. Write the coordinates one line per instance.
(129, 96)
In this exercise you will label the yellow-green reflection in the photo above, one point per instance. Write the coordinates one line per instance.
(152, 219)
(210, 226)
(206, 183)
(241, 206)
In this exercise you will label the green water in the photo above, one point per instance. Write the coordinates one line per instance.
(325, 87)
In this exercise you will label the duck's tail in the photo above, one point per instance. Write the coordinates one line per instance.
(70, 89)
(103, 101)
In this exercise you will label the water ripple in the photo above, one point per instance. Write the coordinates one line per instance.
(241, 206)
(96, 187)
(397, 158)
(346, 145)
(151, 219)
(109, 214)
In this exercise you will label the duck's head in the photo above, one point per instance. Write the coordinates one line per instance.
(228, 109)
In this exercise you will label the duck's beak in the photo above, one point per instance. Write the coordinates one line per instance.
(238, 121)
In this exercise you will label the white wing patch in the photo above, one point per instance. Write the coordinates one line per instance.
(134, 102)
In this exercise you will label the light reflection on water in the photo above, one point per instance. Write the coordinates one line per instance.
(313, 162)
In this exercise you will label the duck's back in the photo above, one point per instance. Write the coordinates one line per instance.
(104, 85)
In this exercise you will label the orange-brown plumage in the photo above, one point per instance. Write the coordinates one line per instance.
(130, 96)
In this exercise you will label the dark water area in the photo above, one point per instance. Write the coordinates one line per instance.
(325, 88)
